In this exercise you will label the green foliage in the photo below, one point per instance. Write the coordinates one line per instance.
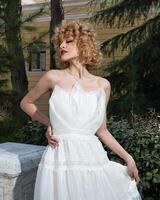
(4, 69)
(133, 37)
(121, 13)
(12, 117)
(8, 129)
(10, 104)
(134, 78)
(32, 133)
(140, 136)
(136, 82)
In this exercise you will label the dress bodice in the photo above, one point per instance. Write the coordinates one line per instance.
(77, 111)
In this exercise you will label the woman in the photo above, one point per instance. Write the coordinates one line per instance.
(75, 165)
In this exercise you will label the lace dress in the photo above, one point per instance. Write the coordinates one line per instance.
(79, 168)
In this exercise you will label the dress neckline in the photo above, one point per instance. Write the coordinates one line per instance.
(78, 86)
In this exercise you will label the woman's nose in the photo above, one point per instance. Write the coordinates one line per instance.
(63, 44)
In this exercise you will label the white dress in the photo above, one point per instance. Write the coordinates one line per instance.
(79, 168)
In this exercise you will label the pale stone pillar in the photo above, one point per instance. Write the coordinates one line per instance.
(18, 168)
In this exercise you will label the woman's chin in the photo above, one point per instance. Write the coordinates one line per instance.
(65, 59)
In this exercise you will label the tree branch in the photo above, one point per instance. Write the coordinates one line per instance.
(133, 37)
(123, 13)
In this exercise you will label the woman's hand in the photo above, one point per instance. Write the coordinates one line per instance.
(132, 169)
(52, 140)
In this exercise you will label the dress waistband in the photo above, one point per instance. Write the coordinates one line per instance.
(76, 136)
(88, 134)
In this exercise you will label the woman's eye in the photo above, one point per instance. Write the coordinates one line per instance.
(69, 41)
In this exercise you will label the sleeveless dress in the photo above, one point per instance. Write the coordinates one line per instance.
(79, 168)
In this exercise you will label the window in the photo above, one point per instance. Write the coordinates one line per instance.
(37, 57)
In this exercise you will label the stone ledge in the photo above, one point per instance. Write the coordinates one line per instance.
(17, 158)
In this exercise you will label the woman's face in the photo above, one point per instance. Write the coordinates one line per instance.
(68, 49)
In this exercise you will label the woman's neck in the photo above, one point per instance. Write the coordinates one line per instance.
(78, 70)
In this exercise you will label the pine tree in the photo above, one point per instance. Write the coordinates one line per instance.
(135, 77)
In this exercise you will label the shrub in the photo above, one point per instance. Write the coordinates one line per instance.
(32, 133)
(141, 138)
(11, 116)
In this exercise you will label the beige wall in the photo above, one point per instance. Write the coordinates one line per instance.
(42, 103)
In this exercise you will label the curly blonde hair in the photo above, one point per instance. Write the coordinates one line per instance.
(84, 34)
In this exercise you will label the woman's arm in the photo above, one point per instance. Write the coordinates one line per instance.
(103, 133)
(106, 137)
(27, 103)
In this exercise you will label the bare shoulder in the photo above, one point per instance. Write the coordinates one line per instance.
(103, 82)
(53, 76)
(107, 87)
(43, 85)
